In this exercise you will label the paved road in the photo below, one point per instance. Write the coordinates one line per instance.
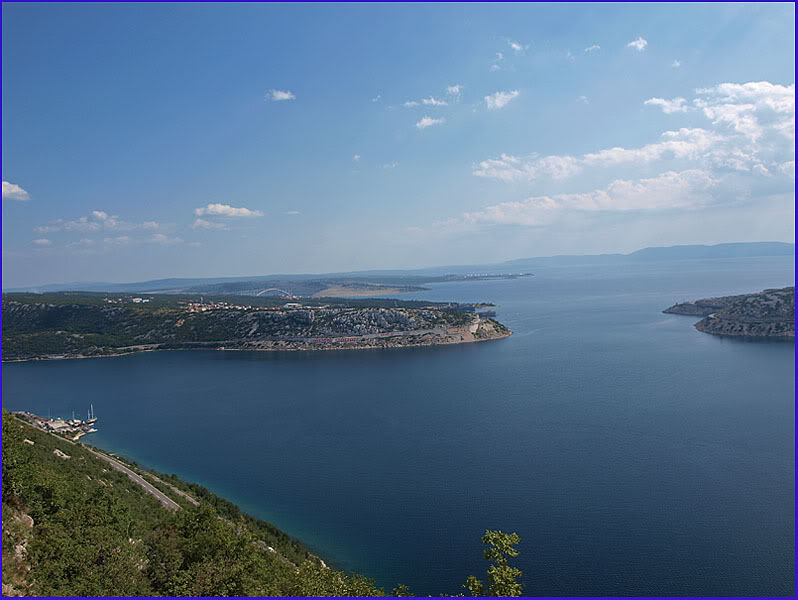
(135, 478)
(177, 491)
(138, 479)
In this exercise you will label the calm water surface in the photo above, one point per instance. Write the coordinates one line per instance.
(633, 454)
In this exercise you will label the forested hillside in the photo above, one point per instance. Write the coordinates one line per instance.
(72, 526)
(89, 325)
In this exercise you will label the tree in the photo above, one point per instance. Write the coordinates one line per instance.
(501, 576)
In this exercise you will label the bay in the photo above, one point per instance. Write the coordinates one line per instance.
(633, 454)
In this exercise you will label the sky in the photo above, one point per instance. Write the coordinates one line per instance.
(143, 141)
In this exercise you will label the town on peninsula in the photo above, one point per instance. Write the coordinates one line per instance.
(83, 325)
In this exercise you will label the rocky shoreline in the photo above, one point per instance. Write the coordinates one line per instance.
(769, 314)
(83, 326)
(479, 331)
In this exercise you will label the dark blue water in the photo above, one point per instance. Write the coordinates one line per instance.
(633, 454)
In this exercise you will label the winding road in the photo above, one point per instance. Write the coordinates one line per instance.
(138, 479)
(165, 500)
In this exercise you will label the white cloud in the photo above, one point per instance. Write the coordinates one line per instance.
(685, 189)
(120, 240)
(108, 221)
(557, 167)
(511, 168)
(82, 244)
(431, 101)
(780, 98)
(391, 165)
(159, 238)
(761, 170)
(517, 47)
(669, 106)
(205, 224)
(429, 122)
(454, 90)
(97, 220)
(569, 56)
(356, 157)
(740, 116)
(499, 58)
(43, 242)
(377, 98)
(583, 100)
(225, 210)
(11, 191)
(745, 150)
(684, 143)
(639, 44)
(499, 100)
(755, 122)
(676, 64)
(670, 190)
(751, 109)
(593, 48)
(280, 95)
(291, 212)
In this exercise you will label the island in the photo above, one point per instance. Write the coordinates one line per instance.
(83, 325)
(769, 314)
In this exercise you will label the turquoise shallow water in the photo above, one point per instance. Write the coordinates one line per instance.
(633, 454)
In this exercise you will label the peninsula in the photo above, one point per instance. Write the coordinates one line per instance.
(768, 314)
(82, 325)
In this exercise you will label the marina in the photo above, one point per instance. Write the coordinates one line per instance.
(72, 429)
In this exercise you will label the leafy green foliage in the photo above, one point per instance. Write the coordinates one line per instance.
(96, 533)
(93, 532)
(502, 578)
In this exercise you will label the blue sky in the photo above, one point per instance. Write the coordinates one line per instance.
(148, 140)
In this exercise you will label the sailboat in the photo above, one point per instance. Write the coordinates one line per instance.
(91, 418)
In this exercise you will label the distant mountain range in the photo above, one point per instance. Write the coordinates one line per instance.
(732, 250)
(397, 278)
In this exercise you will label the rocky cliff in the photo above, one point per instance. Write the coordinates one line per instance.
(767, 314)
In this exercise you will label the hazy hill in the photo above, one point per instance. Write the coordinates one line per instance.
(737, 250)
(733, 250)
(405, 280)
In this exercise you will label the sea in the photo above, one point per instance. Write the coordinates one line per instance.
(632, 454)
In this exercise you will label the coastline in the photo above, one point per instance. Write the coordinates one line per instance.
(766, 315)
(449, 338)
